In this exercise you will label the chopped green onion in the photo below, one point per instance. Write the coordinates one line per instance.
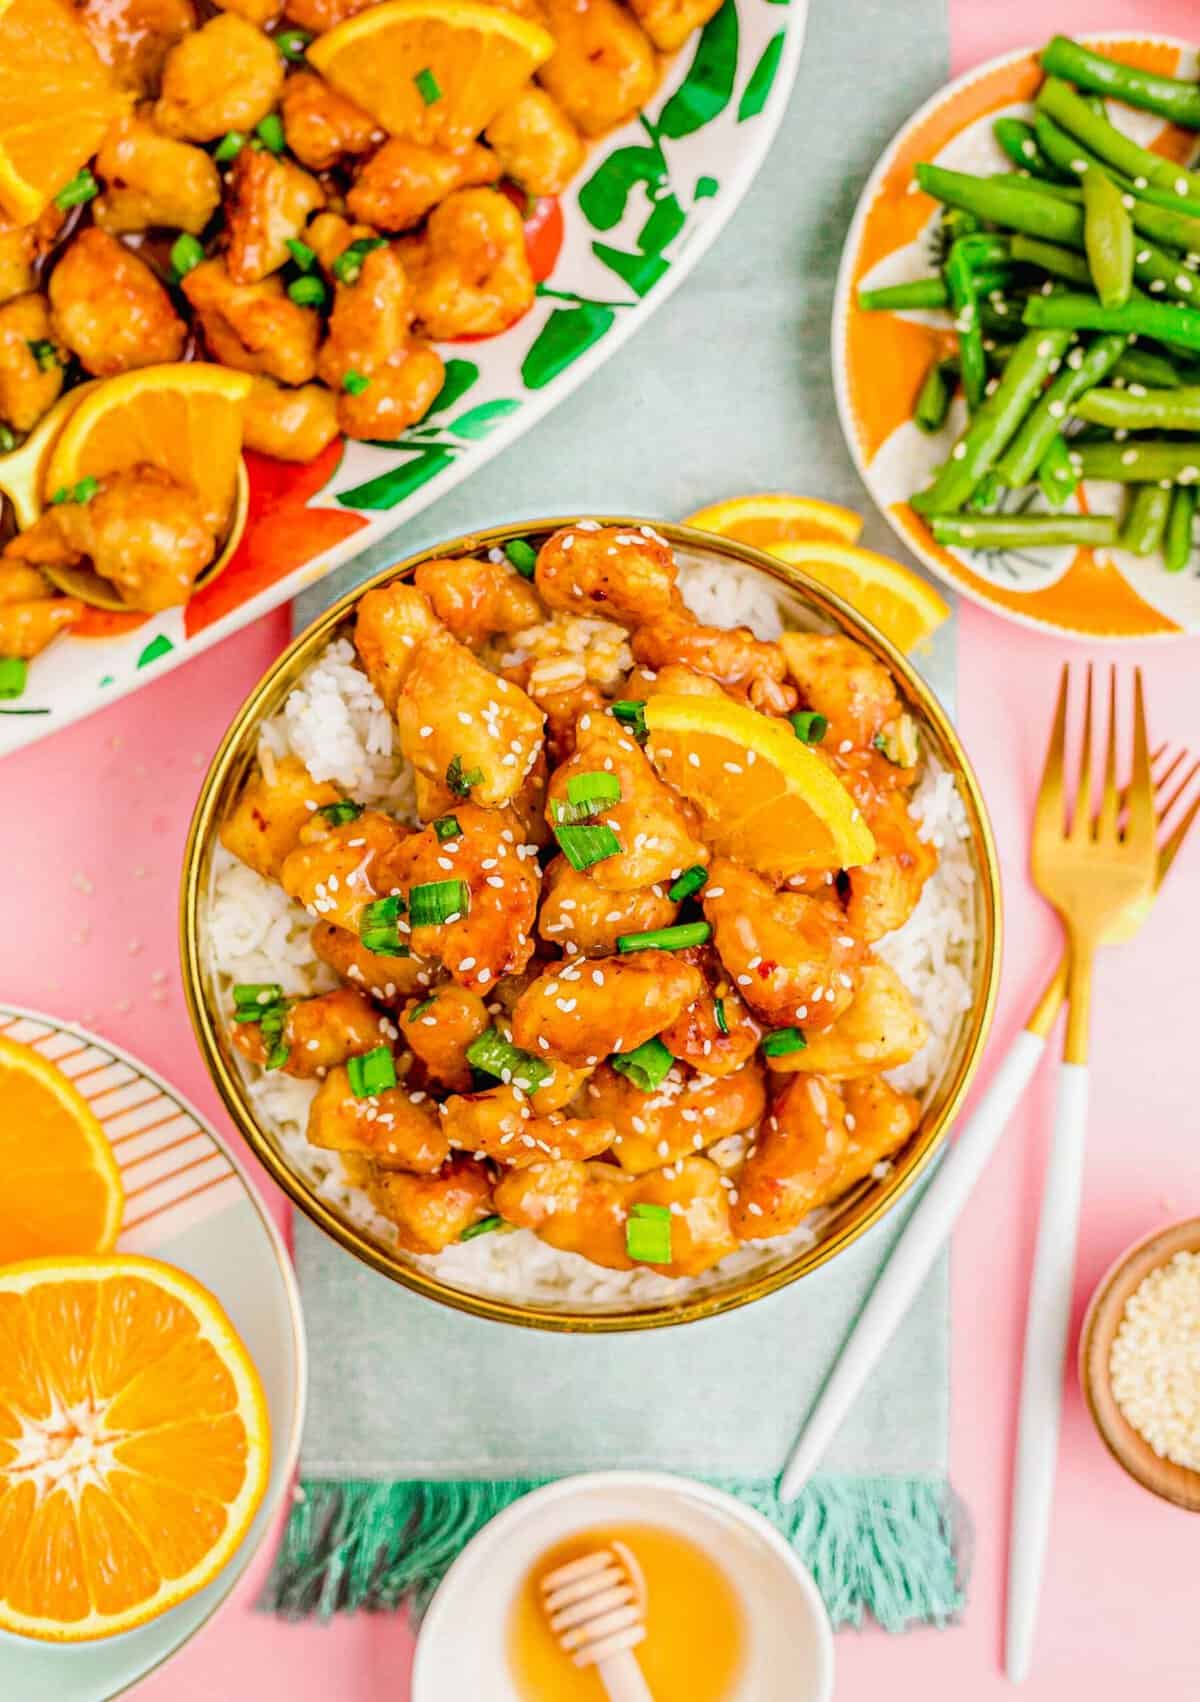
(260, 993)
(645, 1066)
(14, 671)
(337, 815)
(435, 902)
(349, 263)
(307, 291)
(187, 251)
(688, 883)
(523, 556)
(82, 187)
(646, 1208)
(425, 1006)
(808, 726)
(719, 1013)
(84, 491)
(648, 1239)
(631, 713)
(427, 86)
(292, 43)
(494, 1055)
(597, 790)
(584, 845)
(8, 439)
(354, 383)
(377, 928)
(304, 256)
(278, 1056)
(483, 1227)
(447, 827)
(781, 1041)
(678, 938)
(43, 351)
(269, 131)
(460, 780)
(230, 146)
(371, 1072)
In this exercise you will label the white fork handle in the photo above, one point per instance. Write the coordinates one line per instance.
(923, 1237)
(623, 1679)
(1046, 1327)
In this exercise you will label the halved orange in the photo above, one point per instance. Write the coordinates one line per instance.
(185, 417)
(775, 517)
(134, 1444)
(901, 604)
(768, 799)
(61, 1189)
(56, 102)
(432, 70)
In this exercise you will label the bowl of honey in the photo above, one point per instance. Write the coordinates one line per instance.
(731, 1613)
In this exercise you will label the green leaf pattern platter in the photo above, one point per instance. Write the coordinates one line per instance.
(648, 202)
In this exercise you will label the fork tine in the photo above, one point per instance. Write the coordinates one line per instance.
(1160, 780)
(1048, 812)
(1111, 801)
(1141, 829)
(1170, 848)
(1182, 787)
(1081, 817)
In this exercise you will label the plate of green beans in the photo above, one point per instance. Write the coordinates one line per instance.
(1017, 336)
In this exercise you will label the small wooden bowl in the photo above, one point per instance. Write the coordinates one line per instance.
(1105, 1311)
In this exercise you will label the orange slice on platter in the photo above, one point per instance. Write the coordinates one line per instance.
(432, 70)
(134, 1444)
(56, 102)
(904, 607)
(62, 1189)
(768, 799)
(185, 417)
(776, 517)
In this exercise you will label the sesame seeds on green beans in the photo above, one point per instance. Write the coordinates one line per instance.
(1008, 531)
(1141, 409)
(1149, 461)
(1022, 458)
(1165, 321)
(1059, 101)
(1169, 97)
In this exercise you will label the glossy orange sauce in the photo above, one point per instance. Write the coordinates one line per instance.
(695, 1625)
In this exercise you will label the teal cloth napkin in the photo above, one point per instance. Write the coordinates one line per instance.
(423, 1423)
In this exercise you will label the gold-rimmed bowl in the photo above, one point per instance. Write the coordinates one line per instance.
(803, 604)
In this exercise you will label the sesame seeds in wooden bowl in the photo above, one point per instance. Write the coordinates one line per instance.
(1144, 1397)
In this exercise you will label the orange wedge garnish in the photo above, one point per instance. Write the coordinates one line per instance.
(768, 799)
(776, 517)
(134, 1444)
(62, 1189)
(898, 601)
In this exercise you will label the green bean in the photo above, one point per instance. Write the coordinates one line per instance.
(1141, 410)
(1060, 102)
(1005, 201)
(1150, 461)
(921, 292)
(1177, 542)
(1162, 217)
(985, 497)
(1055, 474)
(1145, 520)
(1041, 186)
(1169, 199)
(1080, 371)
(1107, 238)
(1018, 141)
(1166, 321)
(1168, 96)
(1139, 366)
(997, 421)
(964, 302)
(1050, 257)
(933, 398)
(1003, 531)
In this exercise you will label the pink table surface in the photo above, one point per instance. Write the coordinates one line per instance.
(91, 838)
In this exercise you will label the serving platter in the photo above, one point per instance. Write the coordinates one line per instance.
(648, 202)
(879, 360)
(189, 1202)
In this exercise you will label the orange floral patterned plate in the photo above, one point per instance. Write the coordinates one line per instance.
(880, 359)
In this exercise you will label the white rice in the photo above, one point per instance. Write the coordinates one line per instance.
(337, 725)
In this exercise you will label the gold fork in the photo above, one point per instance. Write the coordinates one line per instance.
(1101, 880)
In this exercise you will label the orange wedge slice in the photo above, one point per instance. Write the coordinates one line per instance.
(768, 799)
(777, 517)
(432, 70)
(185, 417)
(898, 601)
(56, 102)
(62, 1189)
(134, 1444)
